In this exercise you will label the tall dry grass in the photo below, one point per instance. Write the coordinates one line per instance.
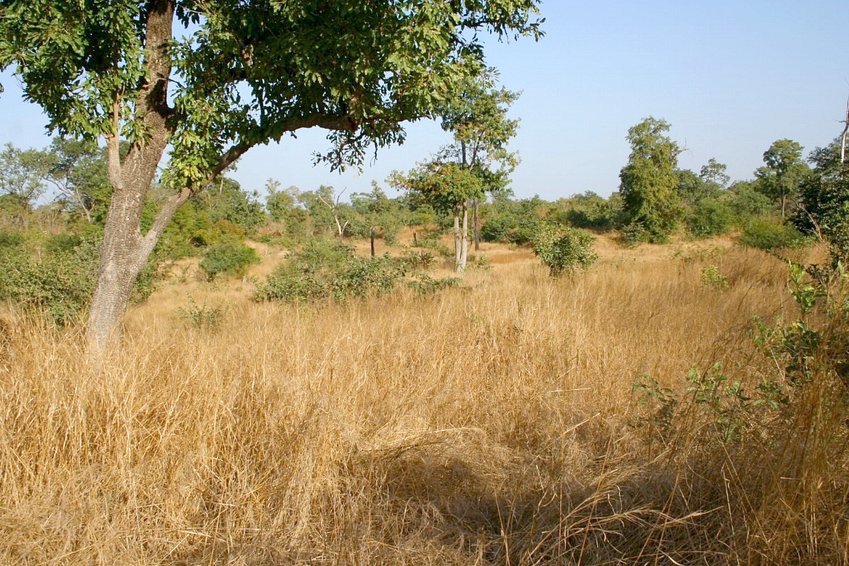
(494, 424)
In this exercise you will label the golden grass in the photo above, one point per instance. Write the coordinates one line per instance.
(493, 424)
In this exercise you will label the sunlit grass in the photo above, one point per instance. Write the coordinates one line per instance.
(492, 424)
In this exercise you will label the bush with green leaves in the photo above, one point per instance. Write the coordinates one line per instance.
(203, 316)
(330, 270)
(710, 217)
(809, 352)
(564, 250)
(768, 234)
(426, 285)
(57, 281)
(230, 258)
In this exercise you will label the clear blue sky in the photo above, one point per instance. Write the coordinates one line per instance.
(730, 76)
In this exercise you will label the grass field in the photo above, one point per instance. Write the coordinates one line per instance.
(496, 423)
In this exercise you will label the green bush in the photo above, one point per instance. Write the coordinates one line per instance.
(564, 250)
(231, 258)
(329, 270)
(427, 285)
(766, 234)
(495, 229)
(9, 240)
(203, 316)
(59, 282)
(710, 217)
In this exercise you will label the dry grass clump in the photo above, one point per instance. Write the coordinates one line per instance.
(494, 424)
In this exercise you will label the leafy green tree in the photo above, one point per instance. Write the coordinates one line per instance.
(327, 211)
(564, 250)
(447, 187)
(747, 201)
(282, 205)
(477, 118)
(714, 174)
(78, 172)
(649, 181)
(22, 173)
(210, 80)
(587, 210)
(782, 172)
(477, 160)
(824, 200)
(226, 201)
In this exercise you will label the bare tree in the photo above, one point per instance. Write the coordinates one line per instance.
(333, 204)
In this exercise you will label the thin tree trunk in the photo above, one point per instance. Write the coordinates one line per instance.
(371, 236)
(477, 227)
(458, 241)
(464, 243)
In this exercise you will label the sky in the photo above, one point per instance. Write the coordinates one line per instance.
(730, 76)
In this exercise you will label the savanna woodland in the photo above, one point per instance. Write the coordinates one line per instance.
(431, 372)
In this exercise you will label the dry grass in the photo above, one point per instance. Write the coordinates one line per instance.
(493, 424)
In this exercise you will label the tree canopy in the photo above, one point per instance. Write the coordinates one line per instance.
(207, 81)
(649, 181)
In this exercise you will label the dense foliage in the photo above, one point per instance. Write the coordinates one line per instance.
(564, 250)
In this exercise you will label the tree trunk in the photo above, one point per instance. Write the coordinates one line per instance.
(464, 248)
(477, 227)
(458, 240)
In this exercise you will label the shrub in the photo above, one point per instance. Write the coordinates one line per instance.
(564, 250)
(765, 234)
(326, 269)
(231, 258)
(427, 285)
(710, 217)
(495, 229)
(711, 277)
(203, 316)
(59, 283)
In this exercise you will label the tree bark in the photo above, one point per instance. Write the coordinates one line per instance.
(124, 250)
(477, 227)
(458, 240)
(464, 248)
(461, 237)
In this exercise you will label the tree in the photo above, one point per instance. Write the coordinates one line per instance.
(564, 250)
(478, 160)
(714, 173)
(824, 200)
(78, 172)
(210, 80)
(649, 181)
(477, 118)
(782, 171)
(22, 173)
(447, 187)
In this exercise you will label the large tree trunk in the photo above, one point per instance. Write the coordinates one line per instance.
(121, 260)
(124, 250)
(123, 255)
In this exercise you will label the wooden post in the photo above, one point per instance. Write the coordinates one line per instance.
(371, 233)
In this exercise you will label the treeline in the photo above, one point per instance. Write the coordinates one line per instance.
(53, 206)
